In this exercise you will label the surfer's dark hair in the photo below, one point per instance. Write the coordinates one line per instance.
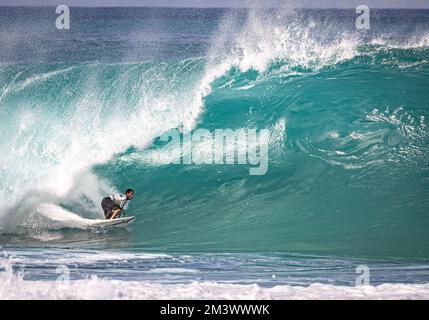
(129, 190)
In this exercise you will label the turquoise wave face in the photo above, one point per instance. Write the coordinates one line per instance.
(348, 170)
(346, 114)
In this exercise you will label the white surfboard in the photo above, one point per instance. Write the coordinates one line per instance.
(109, 223)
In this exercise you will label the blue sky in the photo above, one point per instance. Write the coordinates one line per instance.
(226, 3)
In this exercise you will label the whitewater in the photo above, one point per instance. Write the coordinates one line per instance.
(110, 274)
(82, 113)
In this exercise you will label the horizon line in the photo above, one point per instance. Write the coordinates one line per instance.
(200, 7)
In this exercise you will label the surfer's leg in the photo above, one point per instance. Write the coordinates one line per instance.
(116, 214)
(107, 205)
(108, 214)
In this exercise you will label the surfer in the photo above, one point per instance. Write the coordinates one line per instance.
(114, 205)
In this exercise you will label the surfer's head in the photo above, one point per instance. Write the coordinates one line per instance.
(129, 193)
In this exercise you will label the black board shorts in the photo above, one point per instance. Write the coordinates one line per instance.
(108, 206)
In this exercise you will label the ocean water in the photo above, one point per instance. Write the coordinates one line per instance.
(82, 112)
